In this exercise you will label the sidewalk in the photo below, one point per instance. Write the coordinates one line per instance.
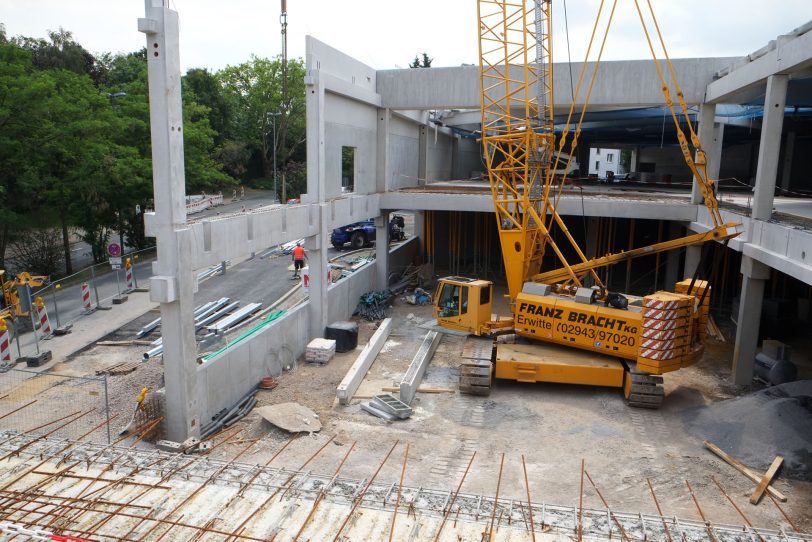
(88, 329)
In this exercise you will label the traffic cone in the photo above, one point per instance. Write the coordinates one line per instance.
(44, 322)
(5, 343)
(128, 271)
(86, 303)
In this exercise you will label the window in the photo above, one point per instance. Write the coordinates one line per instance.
(609, 158)
(485, 295)
(452, 297)
(597, 164)
(347, 169)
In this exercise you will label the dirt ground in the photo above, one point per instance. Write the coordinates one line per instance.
(552, 428)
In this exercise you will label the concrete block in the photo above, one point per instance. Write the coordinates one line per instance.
(119, 299)
(163, 289)
(378, 412)
(420, 362)
(169, 446)
(584, 295)
(363, 362)
(536, 288)
(35, 361)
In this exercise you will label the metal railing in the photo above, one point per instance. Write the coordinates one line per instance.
(57, 405)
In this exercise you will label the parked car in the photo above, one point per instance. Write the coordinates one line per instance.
(360, 234)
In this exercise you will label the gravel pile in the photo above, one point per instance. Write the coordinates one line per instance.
(757, 427)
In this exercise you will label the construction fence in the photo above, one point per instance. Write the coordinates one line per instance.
(55, 405)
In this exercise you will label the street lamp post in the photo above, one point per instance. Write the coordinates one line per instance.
(273, 116)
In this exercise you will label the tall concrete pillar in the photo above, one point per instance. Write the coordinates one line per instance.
(693, 254)
(316, 176)
(419, 229)
(710, 134)
(423, 155)
(754, 277)
(173, 284)
(318, 268)
(769, 146)
(382, 250)
(382, 161)
(786, 165)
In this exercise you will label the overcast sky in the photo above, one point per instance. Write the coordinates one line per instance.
(387, 34)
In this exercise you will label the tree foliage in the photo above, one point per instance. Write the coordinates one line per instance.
(75, 149)
(425, 62)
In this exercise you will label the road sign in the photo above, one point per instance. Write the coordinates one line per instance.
(115, 263)
(114, 250)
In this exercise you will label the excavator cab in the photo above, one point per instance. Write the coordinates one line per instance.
(463, 304)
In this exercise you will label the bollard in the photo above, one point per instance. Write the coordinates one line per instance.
(44, 322)
(128, 270)
(86, 303)
(5, 343)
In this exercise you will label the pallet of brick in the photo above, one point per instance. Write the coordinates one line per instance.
(320, 350)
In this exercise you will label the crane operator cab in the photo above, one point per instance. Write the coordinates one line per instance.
(463, 304)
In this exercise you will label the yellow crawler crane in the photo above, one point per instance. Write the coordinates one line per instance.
(632, 340)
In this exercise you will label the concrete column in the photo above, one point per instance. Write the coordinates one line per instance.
(173, 284)
(672, 258)
(382, 162)
(422, 155)
(419, 230)
(769, 146)
(786, 164)
(693, 254)
(382, 250)
(316, 247)
(314, 96)
(754, 277)
(710, 134)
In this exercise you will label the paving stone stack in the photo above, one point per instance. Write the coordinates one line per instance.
(320, 350)
(665, 337)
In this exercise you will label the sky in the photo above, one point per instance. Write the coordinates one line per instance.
(385, 34)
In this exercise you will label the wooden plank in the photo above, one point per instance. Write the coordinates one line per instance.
(743, 469)
(766, 479)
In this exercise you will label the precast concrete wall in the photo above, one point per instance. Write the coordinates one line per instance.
(439, 155)
(469, 162)
(669, 164)
(344, 294)
(404, 152)
(226, 378)
(349, 123)
(404, 255)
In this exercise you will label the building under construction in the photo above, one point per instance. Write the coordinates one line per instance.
(575, 248)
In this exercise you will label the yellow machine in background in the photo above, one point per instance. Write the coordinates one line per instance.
(624, 341)
(11, 307)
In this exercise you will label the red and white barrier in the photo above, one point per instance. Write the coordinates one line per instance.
(204, 203)
(86, 303)
(42, 314)
(5, 342)
(129, 275)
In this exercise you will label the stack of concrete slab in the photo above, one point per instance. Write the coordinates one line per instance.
(320, 350)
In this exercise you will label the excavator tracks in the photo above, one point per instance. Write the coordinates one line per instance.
(476, 367)
(643, 390)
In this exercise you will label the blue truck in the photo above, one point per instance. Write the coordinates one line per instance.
(360, 234)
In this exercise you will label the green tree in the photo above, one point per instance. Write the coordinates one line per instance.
(424, 63)
(254, 89)
(202, 87)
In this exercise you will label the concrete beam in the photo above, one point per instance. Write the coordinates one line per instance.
(420, 362)
(769, 147)
(354, 377)
(740, 83)
(618, 84)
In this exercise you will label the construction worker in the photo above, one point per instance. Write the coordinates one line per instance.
(299, 257)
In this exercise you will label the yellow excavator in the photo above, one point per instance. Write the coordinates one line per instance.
(10, 306)
(565, 332)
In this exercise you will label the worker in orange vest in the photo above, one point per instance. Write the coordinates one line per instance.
(299, 257)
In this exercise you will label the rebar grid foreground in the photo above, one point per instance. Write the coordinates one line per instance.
(428, 505)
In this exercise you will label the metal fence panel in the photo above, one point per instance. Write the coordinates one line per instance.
(55, 405)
